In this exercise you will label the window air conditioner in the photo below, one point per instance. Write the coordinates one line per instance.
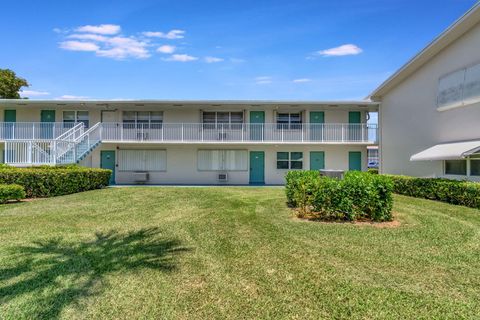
(222, 177)
(140, 177)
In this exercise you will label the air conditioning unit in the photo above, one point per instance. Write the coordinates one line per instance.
(222, 177)
(222, 136)
(140, 177)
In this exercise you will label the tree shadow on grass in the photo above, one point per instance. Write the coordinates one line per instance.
(56, 273)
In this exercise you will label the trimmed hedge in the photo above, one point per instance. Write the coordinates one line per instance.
(359, 195)
(451, 191)
(11, 192)
(42, 182)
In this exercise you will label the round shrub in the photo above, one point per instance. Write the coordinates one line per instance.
(359, 195)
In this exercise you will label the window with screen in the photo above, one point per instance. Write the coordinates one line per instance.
(142, 160)
(289, 120)
(459, 88)
(222, 160)
(76, 116)
(222, 119)
(143, 119)
(290, 160)
(456, 167)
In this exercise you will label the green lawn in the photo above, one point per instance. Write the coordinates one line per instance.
(124, 253)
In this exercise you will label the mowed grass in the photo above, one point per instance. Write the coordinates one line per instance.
(205, 253)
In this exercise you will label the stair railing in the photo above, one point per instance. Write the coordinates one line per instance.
(88, 139)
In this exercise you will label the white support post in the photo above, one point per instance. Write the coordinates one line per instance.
(29, 152)
(343, 133)
(54, 152)
(182, 132)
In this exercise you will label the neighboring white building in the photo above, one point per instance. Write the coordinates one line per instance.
(189, 142)
(430, 109)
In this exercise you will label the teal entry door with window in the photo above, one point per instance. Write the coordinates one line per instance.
(257, 167)
(107, 161)
(317, 160)
(355, 129)
(317, 119)
(9, 117)
(257, 125)
(47, 126)
(355, 160)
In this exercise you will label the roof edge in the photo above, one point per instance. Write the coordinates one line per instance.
(191, 102)
(462, 25)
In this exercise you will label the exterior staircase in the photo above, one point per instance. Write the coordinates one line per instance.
(72, 146)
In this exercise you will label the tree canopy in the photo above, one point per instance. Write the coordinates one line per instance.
(10, 84)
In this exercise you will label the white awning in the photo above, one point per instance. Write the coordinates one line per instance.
(448, 151)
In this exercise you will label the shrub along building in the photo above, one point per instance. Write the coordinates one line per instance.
(189, 142)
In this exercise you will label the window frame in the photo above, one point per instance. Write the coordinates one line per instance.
(292, 162)
(75, 116)
(455, 174)
(223, 163)
(474, 158)
(151, 123)
(290, 124)
(215, 124)
(145, 169)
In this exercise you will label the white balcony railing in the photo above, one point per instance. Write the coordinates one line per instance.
(268, 132)
(33, 130)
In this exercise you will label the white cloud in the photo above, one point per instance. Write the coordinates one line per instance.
(343, 50)
(33, 93)
(71, 97)
(79, 46)
(105, 40)
(166, 49)
(107, 29)
(213, 59)
(88, 36)
(124, 47)
(263, 80)
(181, 58)
(302, 80)
(172, 34)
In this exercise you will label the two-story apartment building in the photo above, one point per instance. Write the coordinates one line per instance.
(189, 142)
(430, 108)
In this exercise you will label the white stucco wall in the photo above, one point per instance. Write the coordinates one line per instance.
(409, 118)
(173, 114)
(182, 162)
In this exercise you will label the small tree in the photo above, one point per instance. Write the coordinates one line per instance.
(10, 84)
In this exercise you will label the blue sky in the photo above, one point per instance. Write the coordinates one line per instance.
(300, 50)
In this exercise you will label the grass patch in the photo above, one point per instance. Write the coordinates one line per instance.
(123, 253)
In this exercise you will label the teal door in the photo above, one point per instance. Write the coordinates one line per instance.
(355, 129)
(47, 119)
(257, 167)
(355, 160)
(317, 119)
(107, 161)
(9, 117)
(317, 160)
(257, 125)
